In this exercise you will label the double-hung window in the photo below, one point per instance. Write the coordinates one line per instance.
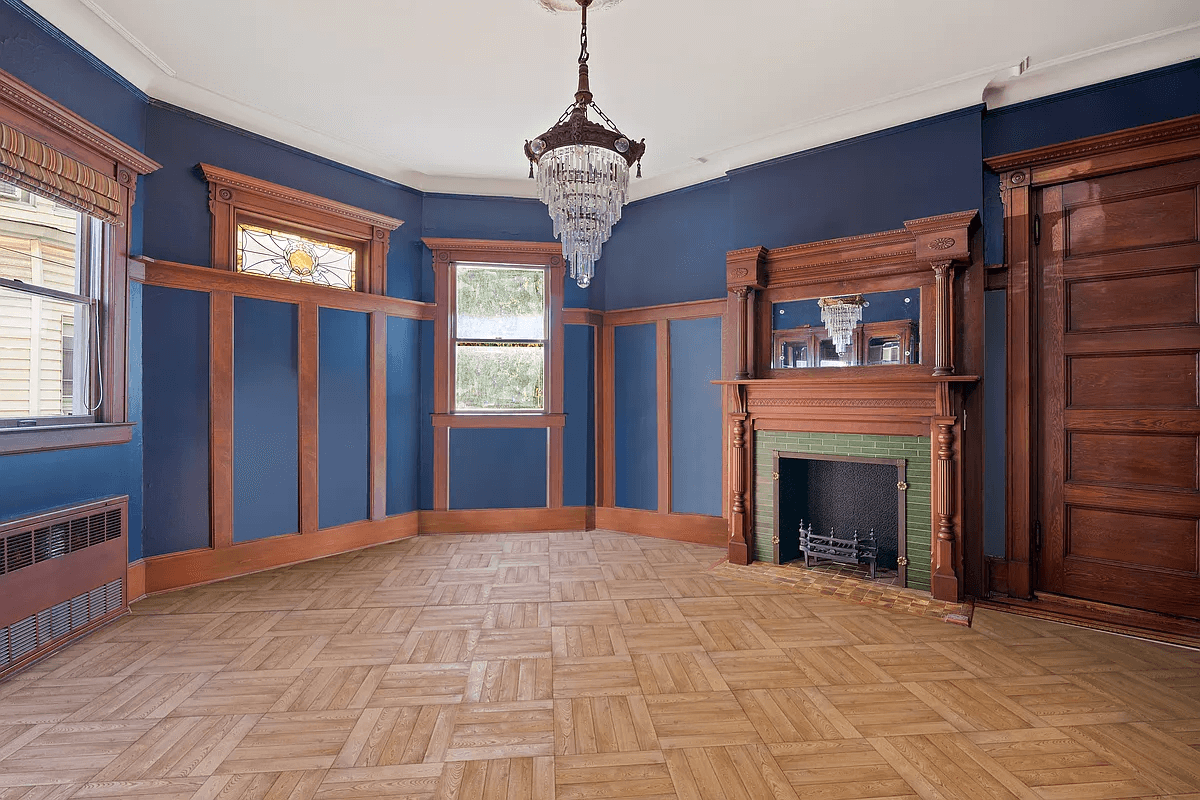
(51, 260)
(499, 338)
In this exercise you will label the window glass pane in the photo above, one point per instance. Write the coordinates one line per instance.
(494, 375)
(294, 258)
(38, 240)
(44, 344)
(500, 302)
(42, 361)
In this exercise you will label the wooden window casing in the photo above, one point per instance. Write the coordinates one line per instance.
(51, 151)
(544, 255)
(236, 199)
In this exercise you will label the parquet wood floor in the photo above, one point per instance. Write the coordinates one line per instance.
(579, 666)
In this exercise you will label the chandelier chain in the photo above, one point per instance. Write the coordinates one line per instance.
(584, 55)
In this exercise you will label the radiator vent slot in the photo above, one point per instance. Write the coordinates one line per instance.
(26, 548)
(46, 627)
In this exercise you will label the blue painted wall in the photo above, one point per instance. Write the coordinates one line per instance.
(579, 434)
(37, 53)
(668, 249)
(635, 412)
(177, 219)
(696, 419)
(498, 468)
(343, 408)
(403, 411)
(266, 419)
(863, 185)
(175, 450)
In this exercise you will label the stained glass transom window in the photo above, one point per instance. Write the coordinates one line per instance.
(277, 254)
(500, 338)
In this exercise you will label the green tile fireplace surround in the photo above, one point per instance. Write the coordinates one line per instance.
(915, 450)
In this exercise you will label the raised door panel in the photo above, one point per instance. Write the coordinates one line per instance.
(1119, 398)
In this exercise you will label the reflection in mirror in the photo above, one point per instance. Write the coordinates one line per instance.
(879, 328)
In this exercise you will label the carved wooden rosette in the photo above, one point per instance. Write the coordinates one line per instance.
(924, 399)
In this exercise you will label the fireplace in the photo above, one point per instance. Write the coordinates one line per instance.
(841, 498)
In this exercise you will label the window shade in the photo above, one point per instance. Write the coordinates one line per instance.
(40, 168)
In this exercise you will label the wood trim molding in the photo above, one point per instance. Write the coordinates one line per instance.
(205, 279)
(194, 567)
(1131, 148)
(498, 251)
(63, 437)
(695, 309)
(29, 101)
(663, 399)
(499, 420)
(582, 316)
(221, 417)
(308, 440)
(678, 527)
(546, 256)
(504, 520)
(232, 196)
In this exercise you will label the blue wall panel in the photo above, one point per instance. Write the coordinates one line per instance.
(696, 421)
(668, 249)
(579, 435)
(175, 346)
(403, 412)
(498, 468)
(424, 421)
(266, 419)
(635, 376)
(343, 406)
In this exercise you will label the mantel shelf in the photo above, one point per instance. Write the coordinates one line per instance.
(860, 380)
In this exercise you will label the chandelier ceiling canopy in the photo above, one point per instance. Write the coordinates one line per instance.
(582, 170)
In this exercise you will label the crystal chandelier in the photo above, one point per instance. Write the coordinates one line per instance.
(583, 173)
(840, 315)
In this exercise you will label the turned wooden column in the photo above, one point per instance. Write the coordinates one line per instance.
(944, 322)
(739, 545)
(739, 333)
(944, 581)
(745, 274)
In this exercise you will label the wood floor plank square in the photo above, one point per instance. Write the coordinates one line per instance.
(678, 673)
(298, 740)
(759, 669)
(613, 775)
(512, 643)
(421, 684)
(885, 709)
(403, 782)
(517, 615)
(331, 688)
(288, 785)
(588, 641)
(566, 591)
(396, 735)
(612, 724)
(702, 719)
(595, 612)
(484, 731)
(718, 635)
(360, 649)
(840, 769)
(237, 693)
(662, 638)
(595, 677)
(733, 772)
(646, 611)
(794, 715)
(508, 778)
(276, 652)
(509, 680)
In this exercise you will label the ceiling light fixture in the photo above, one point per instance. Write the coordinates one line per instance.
(583, 173)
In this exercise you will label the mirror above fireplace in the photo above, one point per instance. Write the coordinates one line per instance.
(871, 329)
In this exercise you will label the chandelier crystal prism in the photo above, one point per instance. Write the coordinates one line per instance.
(582, 170)
(840, 315)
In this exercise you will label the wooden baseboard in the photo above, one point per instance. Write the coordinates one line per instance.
(505, 520)
(1102, 616)
(194, 567)
(679, 527)
(135, 581)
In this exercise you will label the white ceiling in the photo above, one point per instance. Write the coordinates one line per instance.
(442, 94)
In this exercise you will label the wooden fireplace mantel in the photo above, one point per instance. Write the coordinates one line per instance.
(939, 255)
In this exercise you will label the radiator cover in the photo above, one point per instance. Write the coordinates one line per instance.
(62, 572)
